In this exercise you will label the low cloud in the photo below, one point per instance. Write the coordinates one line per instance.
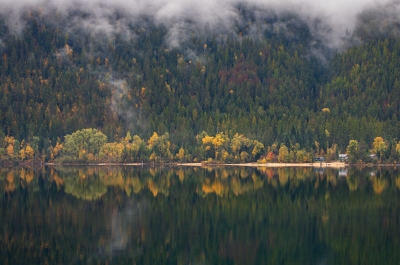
(328, 20)
(380, 20)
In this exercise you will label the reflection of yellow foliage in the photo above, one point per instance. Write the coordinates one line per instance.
(301, 174)
(181, 174)
(224, 174)
(217, 187)
(91, 171)
(238, 187)
(325, 217)
(273, 182)
(398, 182)
(10, 184)
(316, 185)
(152, 188)
(128, 190)
(137, 185)
(160, 184)
(86, 189)
(116, 180)
(152, 172)
(352, 183)
(59, 181)
(244, 173)
(283, 177)
(235, 186)
(378, 184)
(26, 175)
(258, 183)
(332, 179)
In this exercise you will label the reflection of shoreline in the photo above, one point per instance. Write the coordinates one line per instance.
(277, 165)
(92, 183)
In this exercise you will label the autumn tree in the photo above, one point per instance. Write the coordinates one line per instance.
(181, 154)
(352, 151)
(283, 155)
(83, 142)
(207, 142)
(379, 146)
(159, 146)
(258, 148)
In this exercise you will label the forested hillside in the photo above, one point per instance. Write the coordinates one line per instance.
(278, 87)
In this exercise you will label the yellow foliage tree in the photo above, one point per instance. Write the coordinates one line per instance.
(258, 147)
(218, 140)
(128, 137)
(398, 148)
(153, 156)
(207, 140)
(9, 140)
(244, 156)
(378, 146)
(283, 155)
(224, 155)
(151, 141)
(10, 150)
(22, 154)
(236, 143)
(181, 154)
(56, 149)
(29, 152)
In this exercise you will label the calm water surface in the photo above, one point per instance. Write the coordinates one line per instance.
(231, 215)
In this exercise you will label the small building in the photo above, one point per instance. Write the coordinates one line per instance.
(373, 156)
(319, 159)
(343, 157)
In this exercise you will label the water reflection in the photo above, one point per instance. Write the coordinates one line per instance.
(93, 182)
(227, 215)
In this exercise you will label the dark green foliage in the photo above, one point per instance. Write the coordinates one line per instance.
(269, 88)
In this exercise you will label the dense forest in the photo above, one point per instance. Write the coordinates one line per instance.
(278, 95)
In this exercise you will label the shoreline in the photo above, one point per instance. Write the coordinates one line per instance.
(198, 164)
(335, 164)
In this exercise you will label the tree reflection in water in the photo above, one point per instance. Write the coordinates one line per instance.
(227, 215)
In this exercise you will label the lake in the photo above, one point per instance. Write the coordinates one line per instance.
(195, 215)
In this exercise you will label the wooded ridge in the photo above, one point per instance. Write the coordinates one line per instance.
(81, 96)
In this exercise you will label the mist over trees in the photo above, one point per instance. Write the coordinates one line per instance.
(271, 80)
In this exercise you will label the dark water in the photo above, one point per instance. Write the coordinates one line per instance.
(129, 215)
